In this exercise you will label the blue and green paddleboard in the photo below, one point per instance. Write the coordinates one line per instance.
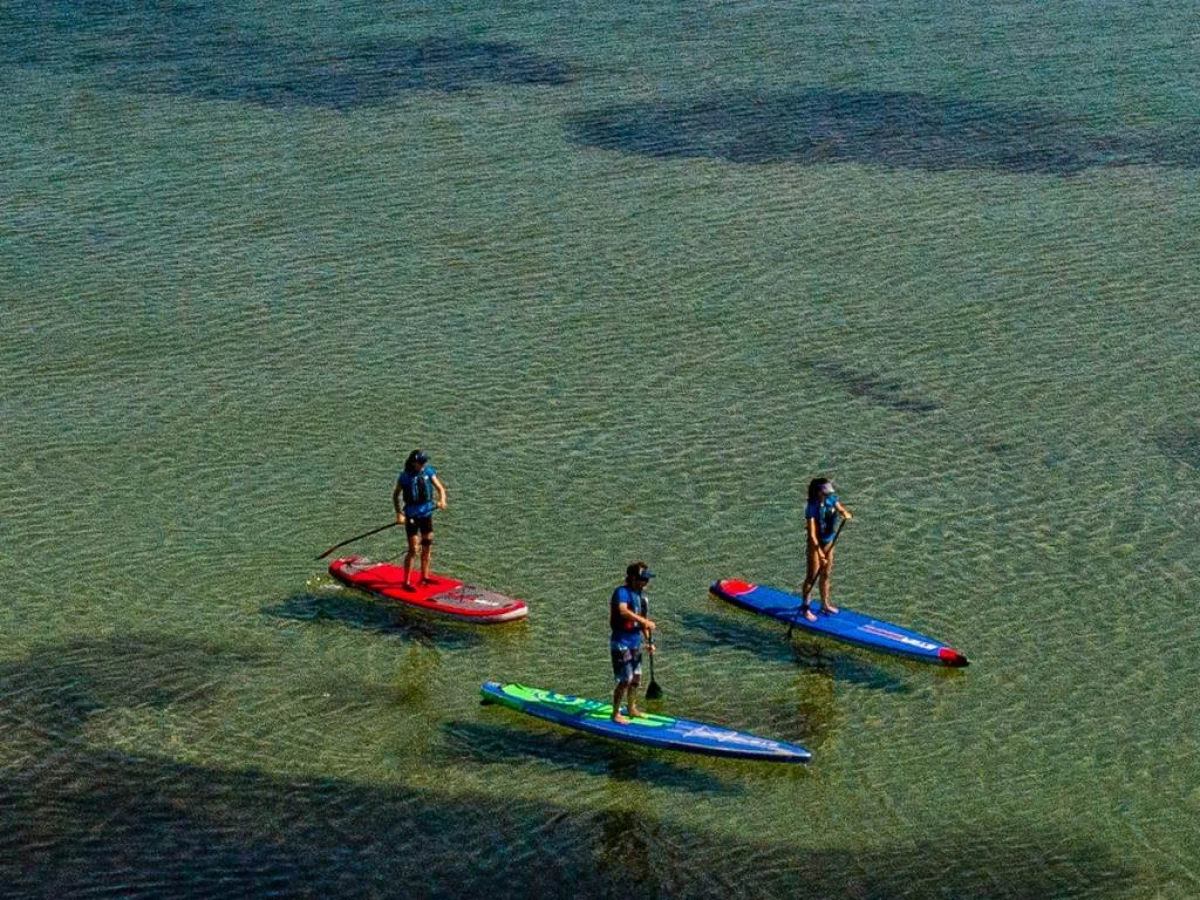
(595, 717)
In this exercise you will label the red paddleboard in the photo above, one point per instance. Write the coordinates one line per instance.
(439, 594)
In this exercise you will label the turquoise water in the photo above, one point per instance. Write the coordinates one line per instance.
(632, 276)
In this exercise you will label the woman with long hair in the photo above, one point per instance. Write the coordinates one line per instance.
(821, 523)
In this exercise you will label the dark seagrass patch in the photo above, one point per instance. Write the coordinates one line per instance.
(876, 388)
(195, 51)
(1180, 440)
(910, 130)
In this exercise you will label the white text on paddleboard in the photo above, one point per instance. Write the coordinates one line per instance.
(898, 638)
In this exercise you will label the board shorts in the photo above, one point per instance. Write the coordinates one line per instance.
(627, 664)
(419, 525)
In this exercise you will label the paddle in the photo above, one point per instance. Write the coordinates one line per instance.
(653, 692)
(836, 535)
(359, 537)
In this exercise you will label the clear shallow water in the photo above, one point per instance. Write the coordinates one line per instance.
(632, 277)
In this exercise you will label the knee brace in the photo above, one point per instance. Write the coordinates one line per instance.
(426, 542)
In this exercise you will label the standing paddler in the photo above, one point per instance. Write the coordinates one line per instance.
(629, 623)
(821, 523)
(422, 492)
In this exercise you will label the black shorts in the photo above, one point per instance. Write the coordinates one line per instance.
(419, 525)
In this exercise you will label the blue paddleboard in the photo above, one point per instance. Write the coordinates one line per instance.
(595, 717)
(846, 625)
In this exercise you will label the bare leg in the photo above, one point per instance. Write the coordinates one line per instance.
(809, 580)
(409, 558)
(617, 695)
(632, 695)
(426, 553)
(826, 577)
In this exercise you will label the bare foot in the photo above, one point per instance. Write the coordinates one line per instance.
(619, 719)
(809, 614)
(829, 608)
(407, 587)
(634, 711)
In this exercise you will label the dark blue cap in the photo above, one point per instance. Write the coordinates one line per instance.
(637, 570)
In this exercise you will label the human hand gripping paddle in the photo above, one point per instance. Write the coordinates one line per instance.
(817, 574)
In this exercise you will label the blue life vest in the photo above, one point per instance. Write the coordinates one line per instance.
(417, 490)
(626, 634)
(825, 512)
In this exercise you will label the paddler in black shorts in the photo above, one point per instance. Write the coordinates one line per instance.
(629, 622)
(422, 492)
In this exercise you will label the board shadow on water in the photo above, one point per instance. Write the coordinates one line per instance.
(771, 644)
(77, 819)
(192, 50)
(481, 743)
(894, 129)
(365, 614)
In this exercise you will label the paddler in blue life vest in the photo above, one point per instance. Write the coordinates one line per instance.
(821, 517)
(628, 620)
(422, 492)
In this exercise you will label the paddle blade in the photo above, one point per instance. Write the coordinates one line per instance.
(654, 692)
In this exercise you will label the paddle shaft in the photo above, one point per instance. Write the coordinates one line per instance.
(653, 692)
(359, 537)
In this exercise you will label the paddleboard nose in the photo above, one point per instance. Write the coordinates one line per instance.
(951, 657)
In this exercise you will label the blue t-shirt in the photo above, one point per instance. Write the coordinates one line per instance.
(825, 512)
(417, 490)
(626, 634)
